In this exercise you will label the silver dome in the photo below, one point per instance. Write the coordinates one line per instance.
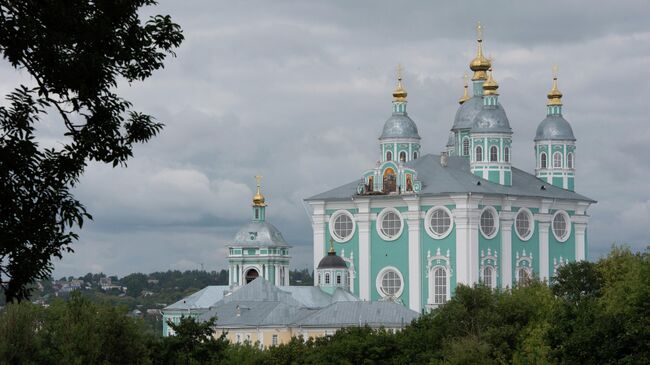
(554, 127)
(399, 125)
(466, 113)
(259, 234)
(491, 119)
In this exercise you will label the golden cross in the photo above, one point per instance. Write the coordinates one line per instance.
(258, 178)
(400, 69)
(331, 244)
(555, 71)
(465, 78)
(479, 31)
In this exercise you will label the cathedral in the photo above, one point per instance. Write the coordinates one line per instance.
(416, 225)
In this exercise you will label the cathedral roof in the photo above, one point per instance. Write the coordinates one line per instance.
(259, 234)
(332, 261)
(400, 125)
(456, 177)
(491, 119)
(554, 127)
(466, 113)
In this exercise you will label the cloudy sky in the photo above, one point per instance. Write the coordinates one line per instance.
(298, 92)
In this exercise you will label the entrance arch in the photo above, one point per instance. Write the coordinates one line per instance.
(251, 275)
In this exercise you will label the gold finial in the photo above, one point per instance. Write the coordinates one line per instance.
(332, 250)
(555, 95)
(258, 199)
(400, 93)
(490, 85)
(465, 96)
(479, 64)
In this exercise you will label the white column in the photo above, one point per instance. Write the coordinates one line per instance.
(286, 275)
(580, 227)
(544, 224)
(363, 224)
(276, 274)
(266, 271)
(231, 274)
(414, 272)
(506, 251)
(318, 225)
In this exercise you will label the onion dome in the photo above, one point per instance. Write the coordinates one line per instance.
(465, 96)
(332, 260)
(479, 64)
(258, 198)
(399, 125)
(490, 86)
(467, 112)
(555, 95)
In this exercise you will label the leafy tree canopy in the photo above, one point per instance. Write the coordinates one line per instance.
(76, 52)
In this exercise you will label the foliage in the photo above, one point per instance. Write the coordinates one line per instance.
(593, 313)
(75, 51)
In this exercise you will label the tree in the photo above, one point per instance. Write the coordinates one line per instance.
(76, 51)
(577, 281)
(193, 342)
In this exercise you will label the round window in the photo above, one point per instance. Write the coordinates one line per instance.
(342, 226)
(561, 226)
(390, 224)
(439, 222)
(524, 224)
(390, 282)
(489, 221)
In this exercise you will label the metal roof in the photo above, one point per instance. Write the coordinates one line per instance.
(256, 234)
(202, 299)
(457, 178)
(466, 113)
(374, 314)
(554, 127)
(491, 119)
(400, 125)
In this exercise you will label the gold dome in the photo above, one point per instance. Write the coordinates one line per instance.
(490, 85)
(465, 96)
(400, 93)
(479, 64)
(555, 95)
(258, 198)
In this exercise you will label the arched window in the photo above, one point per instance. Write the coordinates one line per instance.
(439, 286)
(569, 159)
(466, 146)
(523, 276)
(506, 154)
(389, 156)
(494, 153)
(479, 154)
(415, 155)
(402, 156)
(542, 159)
(327, 278)
(487, 276)
(557, 159)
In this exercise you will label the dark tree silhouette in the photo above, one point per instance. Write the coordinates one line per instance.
(76, 51)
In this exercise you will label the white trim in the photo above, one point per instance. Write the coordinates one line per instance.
(379, 223)
(567, 220)
(531, 224)
(379, 278)
(333, 218)
(494, 257)
(434, 263)
(427, 222)
(519, 260)
(495, 216)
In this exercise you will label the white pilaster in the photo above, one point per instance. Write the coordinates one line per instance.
(414, 272)
(544, 222)
(286, 275)
(580, 227)
(318, 220)
(466, 220)
(506, 249)
(276, 275)
(363, 223)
